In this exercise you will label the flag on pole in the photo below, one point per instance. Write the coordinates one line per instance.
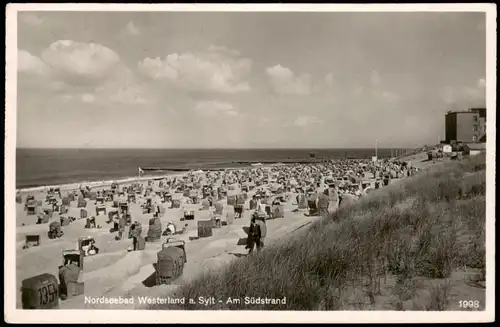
(140, 170)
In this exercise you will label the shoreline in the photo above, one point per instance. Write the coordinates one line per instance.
(174, 172)
(98, 183)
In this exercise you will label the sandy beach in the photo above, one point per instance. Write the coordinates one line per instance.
(117, 272)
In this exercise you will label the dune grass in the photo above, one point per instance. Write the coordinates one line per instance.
(376, 254)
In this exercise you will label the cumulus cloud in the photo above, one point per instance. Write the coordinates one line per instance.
(285, 82)
(214, 108)
(123, 88)
(78, 62)
(157, 69)
(30, 19)
(86, 72)
(217, 70)
(132, 29)
(30, 64)
(113, 91)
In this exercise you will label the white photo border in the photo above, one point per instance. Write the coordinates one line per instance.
(14, 315)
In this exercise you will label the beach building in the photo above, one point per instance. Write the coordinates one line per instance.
(474, 148)
(446, 148)
(466, 126)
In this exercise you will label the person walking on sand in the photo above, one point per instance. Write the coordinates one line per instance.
(256, 233)
(251, 234)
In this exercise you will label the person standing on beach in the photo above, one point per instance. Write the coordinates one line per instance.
(256, 233)
(122, 222)
(333, 195)
(261, 207)
(323, 203)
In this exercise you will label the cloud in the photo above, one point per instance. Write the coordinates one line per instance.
(113, 91)
(30, 19)
(217, 70)
(122, 87)
(213, 108)
(27, 63)
(80, 63)
(34, 76)
(285, 82)
(156, 69)
(132, 29)
(85, 72)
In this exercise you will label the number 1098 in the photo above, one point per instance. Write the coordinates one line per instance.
(469, 304)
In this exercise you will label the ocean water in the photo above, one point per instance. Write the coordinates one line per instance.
(42, 167)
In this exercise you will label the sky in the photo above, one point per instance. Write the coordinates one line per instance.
(245, 79)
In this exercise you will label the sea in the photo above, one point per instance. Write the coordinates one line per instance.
(50, 167)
